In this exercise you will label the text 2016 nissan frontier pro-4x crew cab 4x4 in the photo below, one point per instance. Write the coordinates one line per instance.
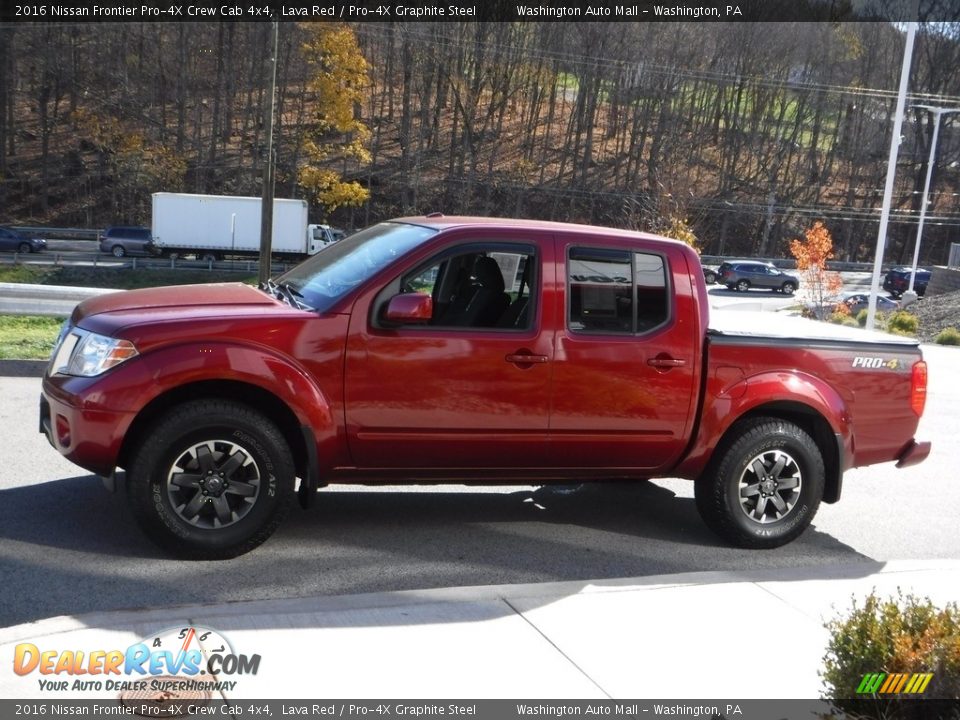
(443, 349)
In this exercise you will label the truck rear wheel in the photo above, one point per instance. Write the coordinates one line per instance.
(764, 485)
(213, 480)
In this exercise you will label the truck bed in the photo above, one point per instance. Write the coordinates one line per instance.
(864, 377)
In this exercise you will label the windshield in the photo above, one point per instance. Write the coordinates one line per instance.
(342, 266)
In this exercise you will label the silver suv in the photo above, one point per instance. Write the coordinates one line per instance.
(124, 240)
(742, 275)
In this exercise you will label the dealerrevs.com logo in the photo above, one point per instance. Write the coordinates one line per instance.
(190, 658)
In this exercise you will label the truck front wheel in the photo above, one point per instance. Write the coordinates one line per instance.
(212, 480)
(764, 486)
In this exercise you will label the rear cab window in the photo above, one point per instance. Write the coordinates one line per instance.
(616, 291)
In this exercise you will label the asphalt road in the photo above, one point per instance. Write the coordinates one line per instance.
(69, 547)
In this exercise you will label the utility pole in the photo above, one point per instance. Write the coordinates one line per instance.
(937, 113)
(266, 211)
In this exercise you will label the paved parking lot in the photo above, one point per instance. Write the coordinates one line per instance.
(69, 547)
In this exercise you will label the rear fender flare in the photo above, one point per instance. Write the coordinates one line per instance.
(776, 394)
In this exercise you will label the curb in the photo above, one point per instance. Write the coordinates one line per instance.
(133, 617)
(23, 368)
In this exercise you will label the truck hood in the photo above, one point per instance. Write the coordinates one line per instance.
(109, 313)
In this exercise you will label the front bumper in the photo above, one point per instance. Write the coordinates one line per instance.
(87, 436)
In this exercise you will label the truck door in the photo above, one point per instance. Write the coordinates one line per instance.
(468, 388)
(625, 365)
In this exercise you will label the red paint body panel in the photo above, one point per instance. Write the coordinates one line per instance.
(439, 403)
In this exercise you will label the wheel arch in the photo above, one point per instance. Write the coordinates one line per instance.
(815, 425)
(802, 399)
(255, 397)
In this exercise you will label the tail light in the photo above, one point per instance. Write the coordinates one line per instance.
(918, 387)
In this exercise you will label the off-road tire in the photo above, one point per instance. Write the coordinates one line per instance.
(225, 429)
(732, 472)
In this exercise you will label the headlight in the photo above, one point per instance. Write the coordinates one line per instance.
(89, 354)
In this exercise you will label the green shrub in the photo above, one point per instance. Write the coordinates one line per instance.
(897, 635)
(948, 336)
(898, 323)
(902, 323)
(843, 319)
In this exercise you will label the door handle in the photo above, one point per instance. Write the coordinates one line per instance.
(665, 362)
(523, 358)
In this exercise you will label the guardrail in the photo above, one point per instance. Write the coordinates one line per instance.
(250, 265)
(61, 233)
(135, 263)
(791, 264)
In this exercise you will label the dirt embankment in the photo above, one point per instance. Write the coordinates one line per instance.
(936, 312)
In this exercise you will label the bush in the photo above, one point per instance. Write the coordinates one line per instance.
(948, 336)
(841, 318)
(902, 323)
(897, 635)
(898, 323)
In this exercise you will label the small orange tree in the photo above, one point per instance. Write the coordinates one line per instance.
(811, 254)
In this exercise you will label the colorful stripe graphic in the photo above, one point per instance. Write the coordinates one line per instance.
(894, 683)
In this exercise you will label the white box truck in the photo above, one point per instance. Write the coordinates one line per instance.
(212, 227)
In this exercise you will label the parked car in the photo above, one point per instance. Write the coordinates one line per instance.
(17, 241)
(742, 275)
(410, 351)
(122, 240)
(709, 275)
(856, 302)
(897, 281)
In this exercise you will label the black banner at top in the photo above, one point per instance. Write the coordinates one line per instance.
(42, 11)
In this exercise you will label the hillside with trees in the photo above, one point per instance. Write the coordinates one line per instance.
(741, 134)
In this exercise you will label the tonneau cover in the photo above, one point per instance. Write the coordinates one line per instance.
(744, 323)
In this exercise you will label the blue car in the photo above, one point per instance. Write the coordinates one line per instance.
(16, 241)
(897, 281)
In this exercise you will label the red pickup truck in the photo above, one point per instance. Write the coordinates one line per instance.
(444, 349)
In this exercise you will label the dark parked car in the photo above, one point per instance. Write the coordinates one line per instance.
(16, 241)
(742, 275)
(709, 275)
(125, 240)
(897, 281)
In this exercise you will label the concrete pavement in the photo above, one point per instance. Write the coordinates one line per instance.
(697, 635)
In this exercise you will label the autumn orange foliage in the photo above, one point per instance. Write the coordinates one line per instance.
(812, 253)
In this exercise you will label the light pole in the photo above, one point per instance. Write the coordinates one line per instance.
(937, 112)
(891, 172)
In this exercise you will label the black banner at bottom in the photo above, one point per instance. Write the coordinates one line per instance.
(886, 709)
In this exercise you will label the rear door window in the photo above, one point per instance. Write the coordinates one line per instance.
(616, 291)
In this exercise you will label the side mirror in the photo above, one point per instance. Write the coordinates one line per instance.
(409, 308)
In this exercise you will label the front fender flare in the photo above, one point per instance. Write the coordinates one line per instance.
(155, 375)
